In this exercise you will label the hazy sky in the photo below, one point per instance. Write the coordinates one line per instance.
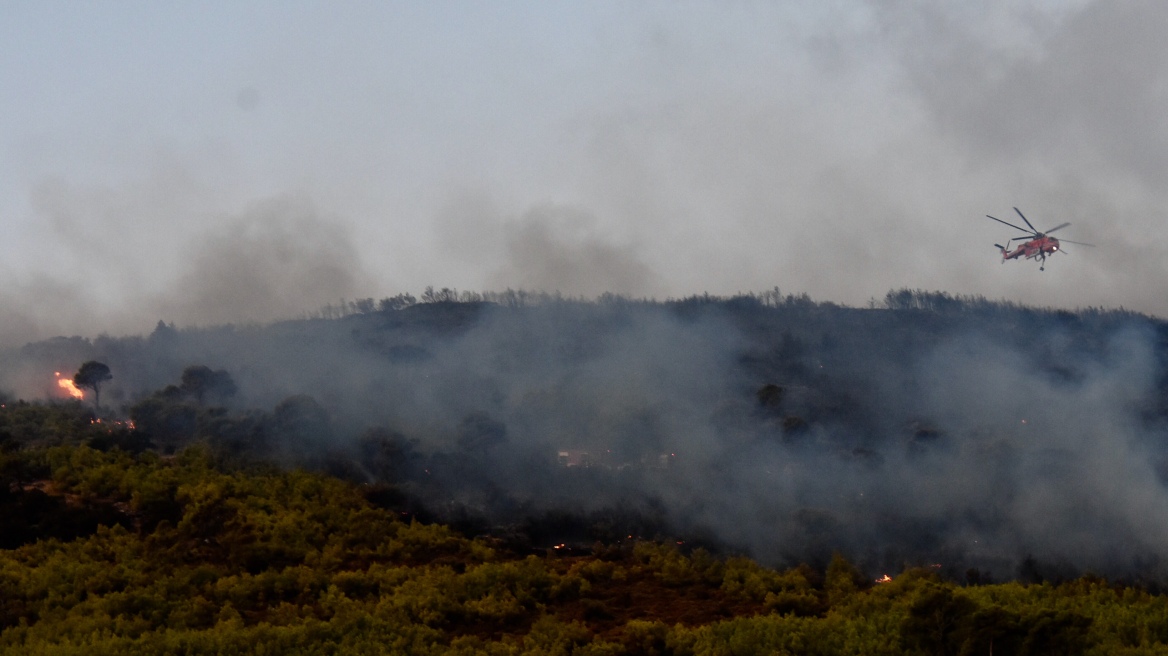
(226, 161)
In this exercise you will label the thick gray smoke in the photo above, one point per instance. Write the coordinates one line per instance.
(842, 149)
(561, 249)
(275, 259)
(272, 262)
(784, 429)
(553, 248)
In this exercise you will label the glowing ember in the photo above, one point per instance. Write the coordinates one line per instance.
(884, 579)
(67, 385)
(111, 425)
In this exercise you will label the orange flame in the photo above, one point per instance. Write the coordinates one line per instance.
(67, 385)
(884, 579)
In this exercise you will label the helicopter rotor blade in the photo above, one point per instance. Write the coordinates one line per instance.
(1077, 243)
(1011, 225)
(1058, 227)
(1032, 228)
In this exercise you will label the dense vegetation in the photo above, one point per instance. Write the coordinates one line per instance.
(112, 548)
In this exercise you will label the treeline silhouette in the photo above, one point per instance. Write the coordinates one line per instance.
(897, 299)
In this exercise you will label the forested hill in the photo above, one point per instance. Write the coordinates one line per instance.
(926, 429)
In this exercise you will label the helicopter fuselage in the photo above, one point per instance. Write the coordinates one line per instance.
(1040, 248)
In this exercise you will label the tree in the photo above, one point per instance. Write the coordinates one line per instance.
(91, 375)
(842, 579)
(166, 419)
(399, 302)
(444, 295)
(387, 454)
(200, 382)
(163, 333)
(938, 622)
(300, 422)
(362, 306)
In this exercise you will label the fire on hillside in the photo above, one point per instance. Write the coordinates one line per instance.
(69, 386)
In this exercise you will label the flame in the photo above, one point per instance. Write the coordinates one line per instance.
(884, 579)
(67, 385)
(111, 425)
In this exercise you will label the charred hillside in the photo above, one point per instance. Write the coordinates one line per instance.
(926, 429)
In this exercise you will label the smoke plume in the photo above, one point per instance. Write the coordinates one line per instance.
(982, 436)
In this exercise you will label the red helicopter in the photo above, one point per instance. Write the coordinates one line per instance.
(1038, 244)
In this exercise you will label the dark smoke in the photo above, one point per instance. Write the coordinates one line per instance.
(160, 242)
(937, 431)
(268, 263)
(562, 249)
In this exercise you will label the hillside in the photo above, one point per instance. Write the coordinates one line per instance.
(924, 429)
(185, 554)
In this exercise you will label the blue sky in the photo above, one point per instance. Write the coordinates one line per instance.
(223, 161)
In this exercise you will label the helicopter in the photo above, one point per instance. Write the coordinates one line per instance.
(1038, 244)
